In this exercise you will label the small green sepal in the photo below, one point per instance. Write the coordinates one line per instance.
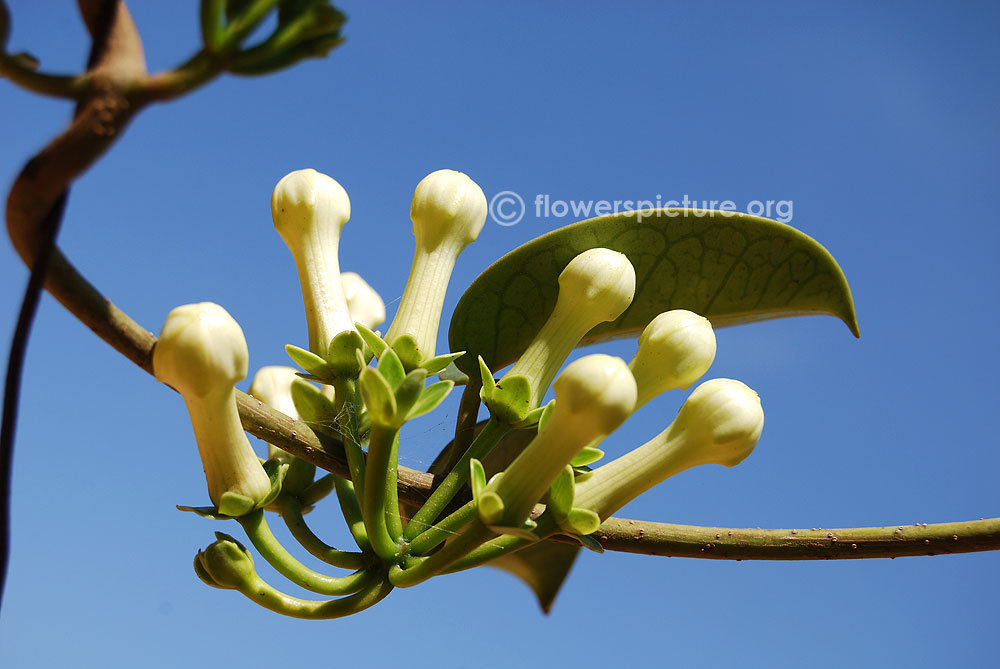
(235, 505)
(477, 477)
(582, 521)
(440, 362)
(376, 345)
(587, 456)
(209, 512)
(405, 347)
(559, 501)
(311, 405)
(344, 354)
(391, 368)
(378, 396)
(430, 398)
(408, 391)
(589, 542)
(318, 368)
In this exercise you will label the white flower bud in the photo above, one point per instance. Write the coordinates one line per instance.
(364, 304)
(202, 353)
(675, 350)
(273, 386)
(448, 212)
(594, 395)
(720, 423)
(595, 287)
(448, 208)
(309, 211)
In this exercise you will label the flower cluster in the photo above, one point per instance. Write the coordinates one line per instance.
(361, 387)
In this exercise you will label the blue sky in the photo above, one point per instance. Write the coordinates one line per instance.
(877, 120)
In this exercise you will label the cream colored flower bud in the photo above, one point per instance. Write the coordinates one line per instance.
(595, 287)
(448, 208)
(364, 304)
(594, 395)
(675, 350)
(202, 353)
(448, 212)
(720, 423)
(309, 211)
(273, 386)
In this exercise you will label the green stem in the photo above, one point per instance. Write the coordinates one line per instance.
(346, 402)
(271, 550)
(418, 570)
(59, 86)
(393, 520)
(291, 512)
(270, 598)
(352, 512)
(444, 530)
(492, 433)
(373, 501)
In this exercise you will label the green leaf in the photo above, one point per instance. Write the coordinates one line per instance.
(543, 567)
(430, 398)
(731, 268)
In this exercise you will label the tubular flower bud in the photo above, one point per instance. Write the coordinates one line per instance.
(675, 350)
(596, 286)
(448, 212)
(719, 424)
(201, 353)
(363, 303)
(309, 211)
(273, 386)
(594, 395)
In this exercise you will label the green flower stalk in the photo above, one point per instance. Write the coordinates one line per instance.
(595, 287)
(363, 303)
(309, 211)
(719, 423)
(594, 395)
(675, 350)
(448, 212)
(201, 353)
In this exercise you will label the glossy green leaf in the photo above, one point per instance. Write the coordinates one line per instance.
(731, 268)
